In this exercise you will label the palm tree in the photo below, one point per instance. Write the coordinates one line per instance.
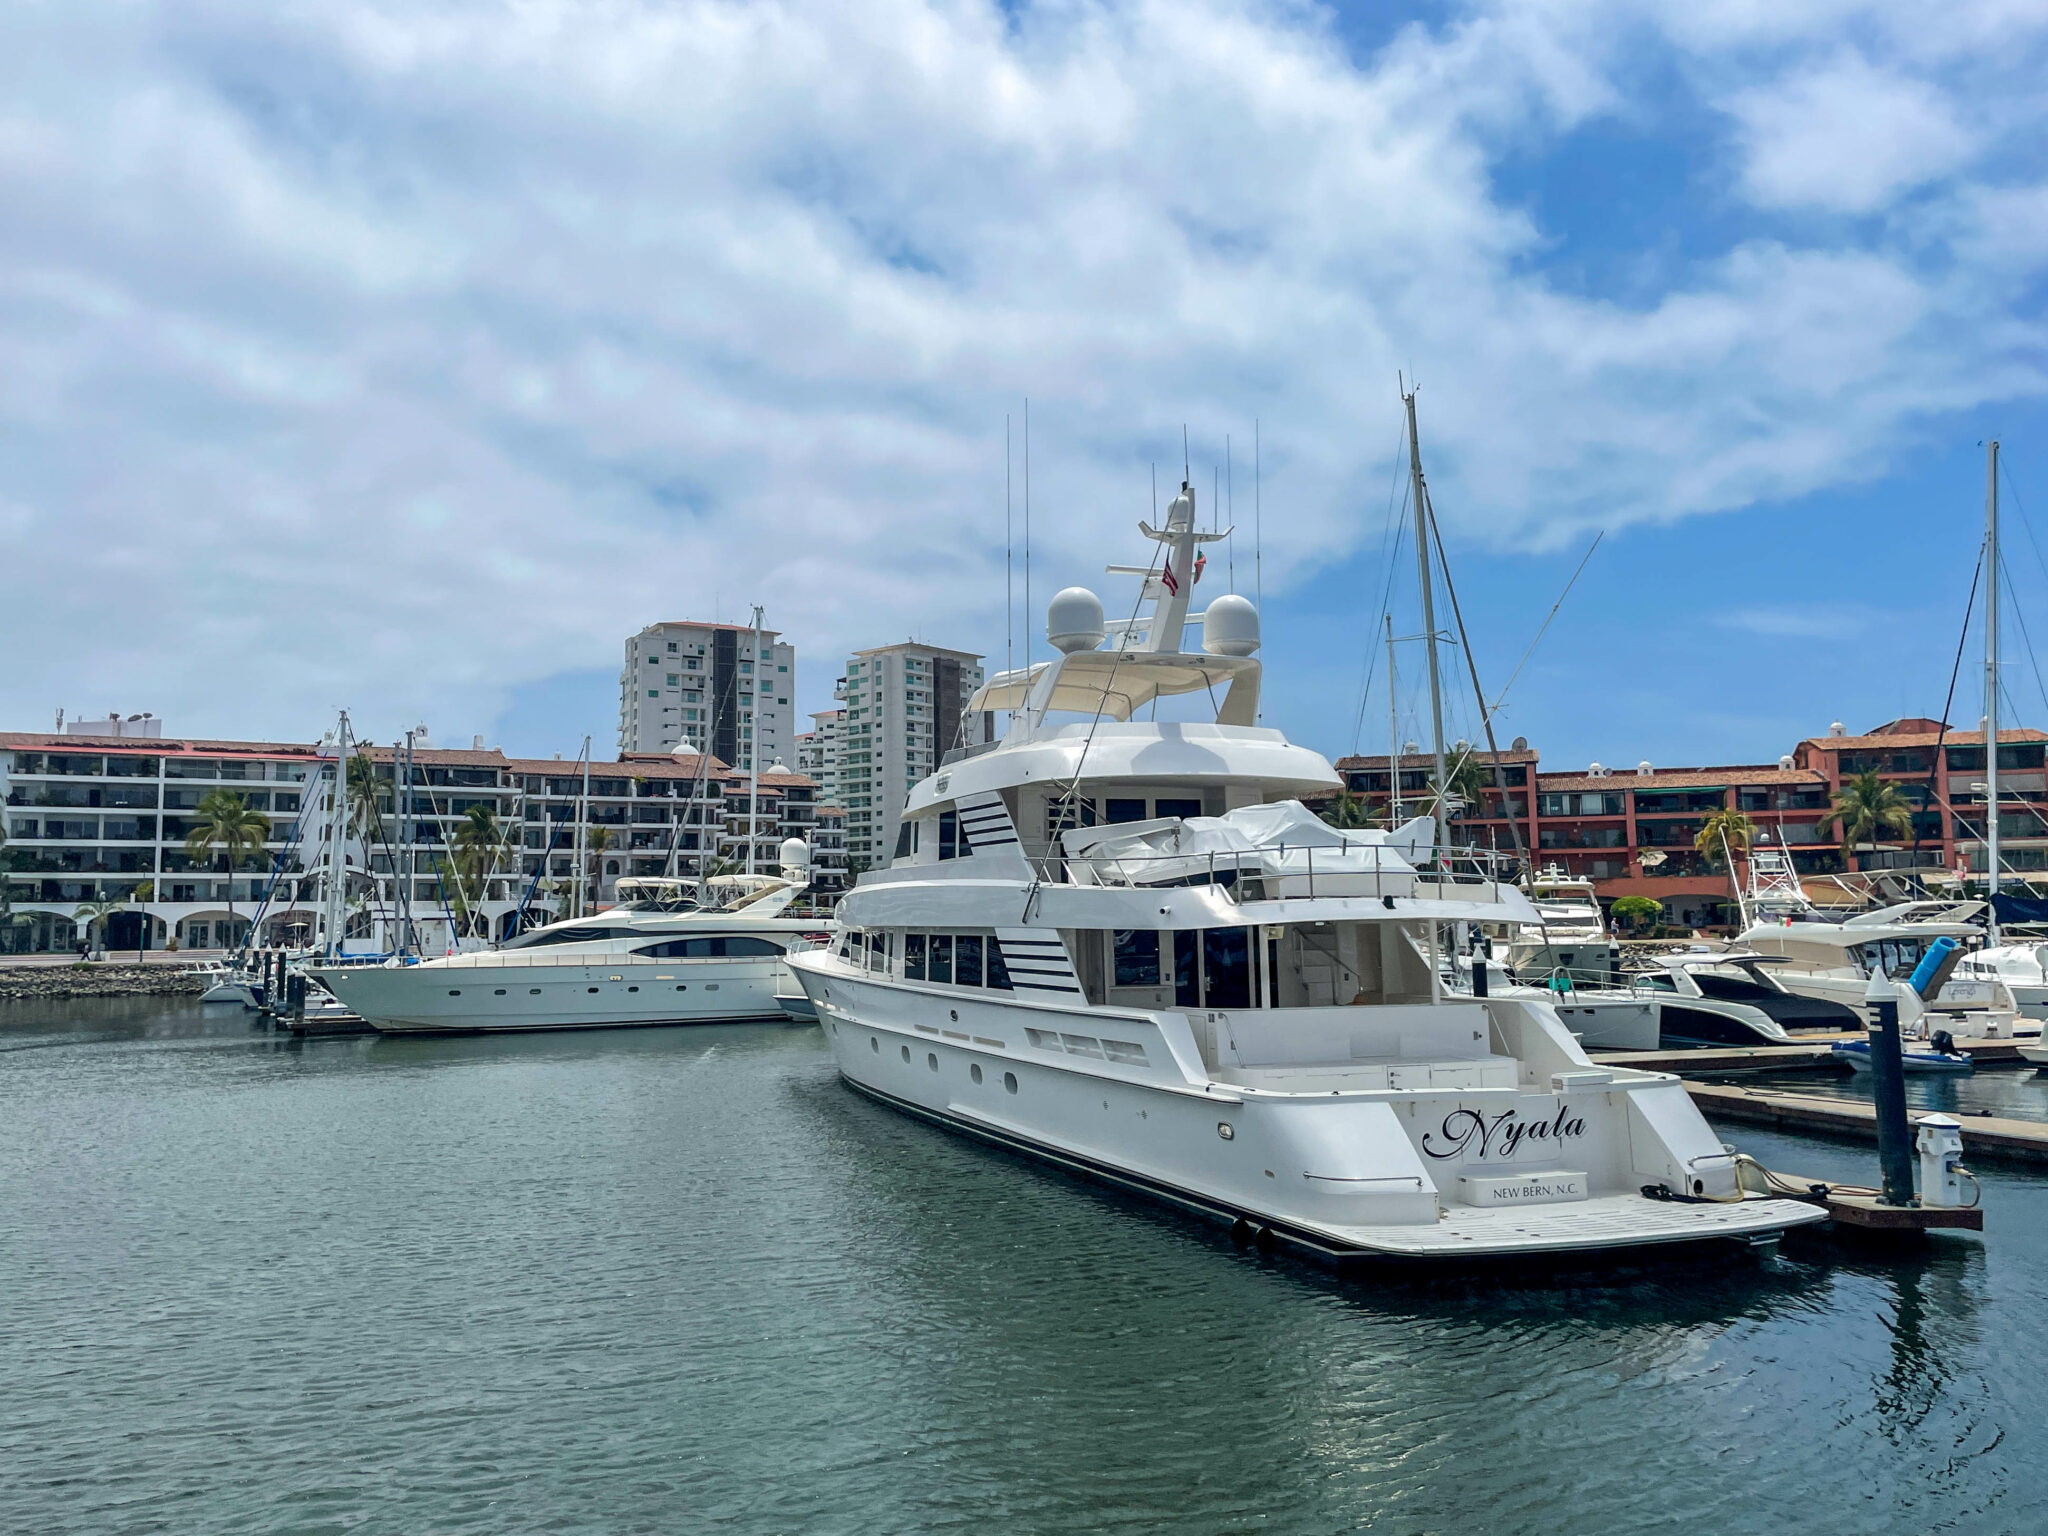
(1348, 811)
(1464, 783)
(1865, 809)
(364, 817)
(223, 821)
(1727, 831)
(476, 845)
(94, 914)
(599, 840)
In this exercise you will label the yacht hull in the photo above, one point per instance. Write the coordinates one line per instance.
(1336, 1173)
(494, 999)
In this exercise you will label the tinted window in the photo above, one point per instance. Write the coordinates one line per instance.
(939, 957)
(710, 946)
(903, 841)
(998, 973)
(913, 956)
(1164, 808)
(1123, 810)
(1137, 957)
(949, 834)
(967, 959)
(569, 936)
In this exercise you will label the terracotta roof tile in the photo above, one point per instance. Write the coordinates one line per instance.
(1681, 778)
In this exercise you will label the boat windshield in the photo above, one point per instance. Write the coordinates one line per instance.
(658, 895)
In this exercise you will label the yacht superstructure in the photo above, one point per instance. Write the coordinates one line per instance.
(669, 953)
(1124, 946)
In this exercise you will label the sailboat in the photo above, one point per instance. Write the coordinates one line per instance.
(1226, 1003)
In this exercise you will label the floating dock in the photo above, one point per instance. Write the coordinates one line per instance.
(1816, 1053)
(1986, 1138)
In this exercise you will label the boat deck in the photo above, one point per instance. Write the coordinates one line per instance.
(1605, 1221)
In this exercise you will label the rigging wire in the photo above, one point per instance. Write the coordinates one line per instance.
(1544, 628)
(1955, 673)
(2032, 660)
(1390, 550)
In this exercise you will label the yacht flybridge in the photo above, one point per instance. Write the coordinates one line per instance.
(1125, 946)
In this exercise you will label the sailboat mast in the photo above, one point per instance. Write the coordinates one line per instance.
(754, 749)
(1393, 732)
(1436, 692)
(582, 833)
(1991, 680)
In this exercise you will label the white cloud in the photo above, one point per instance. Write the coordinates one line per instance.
(1845, 136)
(391, 355)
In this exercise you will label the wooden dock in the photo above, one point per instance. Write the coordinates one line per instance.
(1805, 1055)
(1986, 1138)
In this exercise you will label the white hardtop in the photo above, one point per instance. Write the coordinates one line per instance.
(1191, 753)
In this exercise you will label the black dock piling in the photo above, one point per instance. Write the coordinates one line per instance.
(1888, 1074)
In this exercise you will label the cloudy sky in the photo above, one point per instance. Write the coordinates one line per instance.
(407, 356)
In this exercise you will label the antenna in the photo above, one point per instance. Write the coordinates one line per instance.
(1229, 489)
(1185, 472)
(1258, 545)
(1028, 610)
(1009, 541)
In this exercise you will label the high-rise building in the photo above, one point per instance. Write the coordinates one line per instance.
(906, 708)
(817, 752)
(687, 678)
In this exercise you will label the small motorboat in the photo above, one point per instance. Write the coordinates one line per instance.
(1936, 1059)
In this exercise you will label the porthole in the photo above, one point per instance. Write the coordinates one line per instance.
(682, 986)
(710, 986)
(906, 1053)
(1009, 1082)
(953, 1014)
(874, 1045)
(632, 989)
(931, 1059)
(500, 992)
(975, 1072)
(593, 989)
(1225, 1129)
(533, 991)
(457, 991)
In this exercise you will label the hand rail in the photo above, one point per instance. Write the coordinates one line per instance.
(1232, 869)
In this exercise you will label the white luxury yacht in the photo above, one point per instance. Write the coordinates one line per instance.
(2022, 964)
(669, 953)
(1224, 1002)
(1569, 937)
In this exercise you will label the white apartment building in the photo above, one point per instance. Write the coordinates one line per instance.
(701, 680)
(906, 708)
(91, 820)
(817, 752)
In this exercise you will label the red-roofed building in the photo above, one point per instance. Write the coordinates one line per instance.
(1631, 831)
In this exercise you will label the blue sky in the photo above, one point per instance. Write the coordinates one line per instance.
(407, 357)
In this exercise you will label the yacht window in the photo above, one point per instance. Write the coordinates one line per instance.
(1164, 808)
(878, 952)
(967, 959)
(569, 936)
(1187, 971)
(1114, 811)
(1227, 967)
(939, 957)
(913, 956)
(710, 946)
(1734, 989)
(998, 973)
(949, 834)
(1137, 955)
(1065, 814)
(903, 841)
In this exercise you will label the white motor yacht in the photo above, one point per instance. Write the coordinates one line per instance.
(668, 953)
(1569, 937)
(1224, 1002)
(2022, 965)
(1736, 997)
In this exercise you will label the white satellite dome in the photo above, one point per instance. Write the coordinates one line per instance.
(1073, 620)
(1231, 626)
(794, 853)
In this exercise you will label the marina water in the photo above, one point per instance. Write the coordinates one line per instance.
(682, 1280)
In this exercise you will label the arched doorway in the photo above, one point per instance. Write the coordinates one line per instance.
(125, 930)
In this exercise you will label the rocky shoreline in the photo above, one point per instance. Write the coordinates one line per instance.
(100, 979)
